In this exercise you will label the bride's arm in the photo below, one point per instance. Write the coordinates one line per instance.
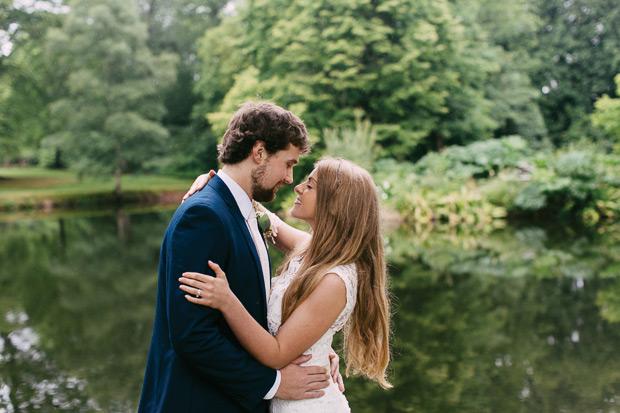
(285, 237)
(302, 329)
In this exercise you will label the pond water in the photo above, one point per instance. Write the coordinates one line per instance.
(520, 319)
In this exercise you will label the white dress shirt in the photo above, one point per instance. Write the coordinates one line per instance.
(247, 210)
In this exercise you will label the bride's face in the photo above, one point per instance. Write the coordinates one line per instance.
(305, 204)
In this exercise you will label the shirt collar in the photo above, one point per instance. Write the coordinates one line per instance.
(241, 197)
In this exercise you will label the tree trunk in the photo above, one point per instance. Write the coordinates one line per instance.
(118, 173)
(57, 159)
(440, 142)
(117, 188)
(123, 224)
(62, 236)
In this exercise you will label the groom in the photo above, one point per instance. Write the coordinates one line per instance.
(195, 363)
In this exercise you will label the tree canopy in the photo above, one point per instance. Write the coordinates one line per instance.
(426, 74)
(410, 66)
(108, 118)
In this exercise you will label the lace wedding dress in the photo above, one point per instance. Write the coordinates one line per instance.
(333, 400)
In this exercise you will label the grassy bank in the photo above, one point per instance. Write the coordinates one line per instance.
(44, 189)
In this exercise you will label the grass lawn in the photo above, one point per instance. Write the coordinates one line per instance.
(25, 187)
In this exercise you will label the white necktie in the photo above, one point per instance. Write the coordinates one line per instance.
(262, 251)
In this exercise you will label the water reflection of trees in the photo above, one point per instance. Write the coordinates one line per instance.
(31, 381)
(87, 286)
(501, 321)
(506, 321)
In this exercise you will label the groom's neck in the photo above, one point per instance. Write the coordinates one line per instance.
(241, 173)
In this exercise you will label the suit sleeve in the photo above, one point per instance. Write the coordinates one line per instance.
(194, 333)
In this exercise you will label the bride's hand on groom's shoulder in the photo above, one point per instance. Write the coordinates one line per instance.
(198, 184)
(205, 290)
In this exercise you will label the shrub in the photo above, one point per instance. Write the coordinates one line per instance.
(567, 183)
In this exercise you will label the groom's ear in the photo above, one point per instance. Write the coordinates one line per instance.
(259, 153)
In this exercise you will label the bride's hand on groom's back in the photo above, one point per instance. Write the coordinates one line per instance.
(205, 290)
(302, 382)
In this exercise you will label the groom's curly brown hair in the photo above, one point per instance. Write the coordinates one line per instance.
(262, 121)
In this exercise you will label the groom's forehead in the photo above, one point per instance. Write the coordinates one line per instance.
(290, 155)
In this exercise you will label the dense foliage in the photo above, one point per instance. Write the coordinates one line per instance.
(108, 116)
(487, 181)
(435, 87)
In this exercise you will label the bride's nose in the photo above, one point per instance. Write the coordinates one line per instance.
(298, 189)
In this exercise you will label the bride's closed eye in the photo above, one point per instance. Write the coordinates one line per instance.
(310, 183)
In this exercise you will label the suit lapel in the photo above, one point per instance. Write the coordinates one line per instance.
(222, 190)
(266, 248)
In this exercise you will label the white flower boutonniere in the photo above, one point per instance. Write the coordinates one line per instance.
(264, 224)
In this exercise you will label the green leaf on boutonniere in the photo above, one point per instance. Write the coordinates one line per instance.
(263, 222)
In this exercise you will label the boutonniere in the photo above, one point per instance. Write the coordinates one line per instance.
(264, 224)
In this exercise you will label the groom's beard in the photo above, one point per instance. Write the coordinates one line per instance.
(259, 192)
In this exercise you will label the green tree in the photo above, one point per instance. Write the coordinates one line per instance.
(404, 63)
(174, 26)
(25, 90)
(577, 55)
(607, 115)
(500, 36)
(109, 117)
(357, 145)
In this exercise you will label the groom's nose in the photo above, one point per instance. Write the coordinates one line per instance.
(289, 176)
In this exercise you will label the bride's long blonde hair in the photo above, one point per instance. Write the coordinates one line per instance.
(347, 231)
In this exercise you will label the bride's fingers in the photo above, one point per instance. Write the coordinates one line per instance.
(199, 183)
(198, 277)
(205, 298)
(196, 300)
(190, 286)
(218, 271)
(192, 290)
(190, 282)
(192, 190)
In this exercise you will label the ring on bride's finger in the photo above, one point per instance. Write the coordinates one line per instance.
(198, 294)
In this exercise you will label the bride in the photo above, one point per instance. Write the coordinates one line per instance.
(332, 279)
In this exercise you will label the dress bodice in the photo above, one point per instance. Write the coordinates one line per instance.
(334, 400)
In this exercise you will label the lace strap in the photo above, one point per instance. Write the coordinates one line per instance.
(348, 274)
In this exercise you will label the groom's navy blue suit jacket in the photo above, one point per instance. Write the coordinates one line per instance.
(195, 363)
